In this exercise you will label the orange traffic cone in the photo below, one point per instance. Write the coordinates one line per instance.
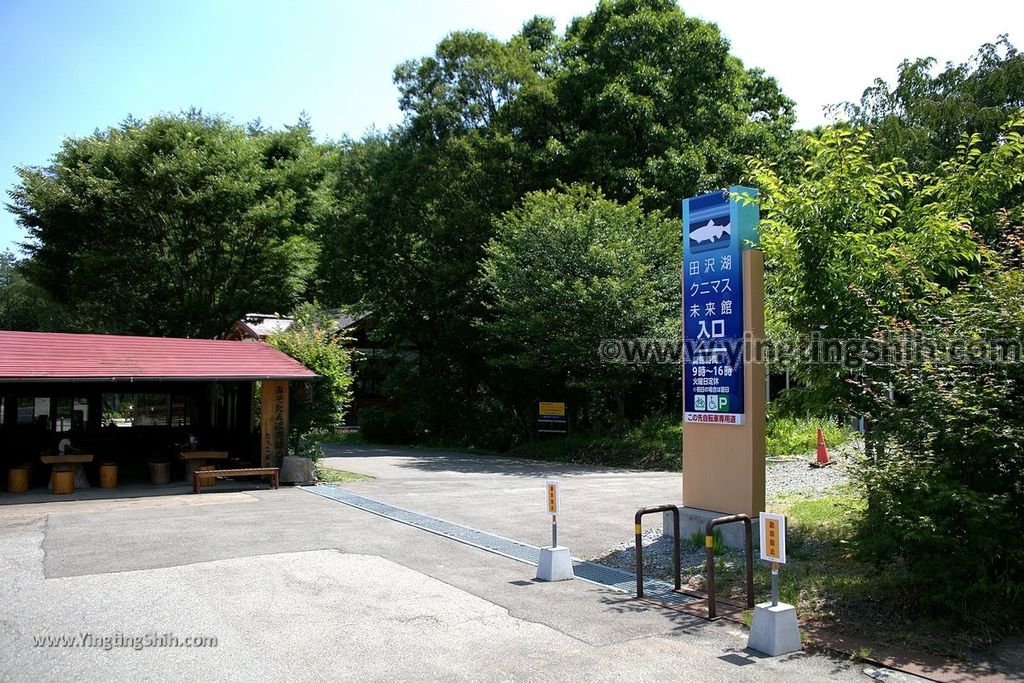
(822, 452)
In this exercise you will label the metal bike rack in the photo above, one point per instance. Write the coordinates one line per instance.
(709, 546)
(638, 529)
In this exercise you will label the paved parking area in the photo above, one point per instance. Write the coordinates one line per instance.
(506, 496)
(295, 585)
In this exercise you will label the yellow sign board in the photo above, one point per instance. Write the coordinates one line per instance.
(552, 408)
(773, 537)
(552, 497)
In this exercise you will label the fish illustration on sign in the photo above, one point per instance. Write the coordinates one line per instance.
(711, 232)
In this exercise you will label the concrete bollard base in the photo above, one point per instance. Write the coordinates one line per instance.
(774, 630)
(555, 565)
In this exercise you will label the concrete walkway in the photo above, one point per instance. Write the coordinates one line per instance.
(296, 586)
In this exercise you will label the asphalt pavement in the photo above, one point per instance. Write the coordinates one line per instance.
(296, 586)
(507, 496)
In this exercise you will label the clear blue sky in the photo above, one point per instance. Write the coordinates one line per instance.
(68, 67)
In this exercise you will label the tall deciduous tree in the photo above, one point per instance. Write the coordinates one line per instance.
(654, 105)
(24, 305)
(175, 225)
(637, 100)
(852, 244)
(923, 115)
(569, 270)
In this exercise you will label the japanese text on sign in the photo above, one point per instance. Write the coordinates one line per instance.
(773, 537)
(712, 311)
(552, 497)
(552, 408)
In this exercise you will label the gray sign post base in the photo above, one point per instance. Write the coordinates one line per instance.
(774, 630)
(555, 565)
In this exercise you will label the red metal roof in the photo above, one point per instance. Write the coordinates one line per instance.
(41, 356)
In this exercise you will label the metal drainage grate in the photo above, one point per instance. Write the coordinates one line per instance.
(599, 574)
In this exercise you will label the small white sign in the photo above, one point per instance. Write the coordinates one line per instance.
(552, 496)
(773, 537)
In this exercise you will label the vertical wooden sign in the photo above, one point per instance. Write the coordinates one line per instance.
(273, 422)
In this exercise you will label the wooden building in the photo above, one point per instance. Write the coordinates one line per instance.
(130, 400)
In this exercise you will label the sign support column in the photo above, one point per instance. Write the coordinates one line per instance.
(774, 629)
(273, 422)
(555, 563)
(723, 329)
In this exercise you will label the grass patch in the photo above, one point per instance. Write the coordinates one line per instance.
(653, 444)
(790, 436)
(329, 475)
(833, 589)
(697, 540)
(830, 516)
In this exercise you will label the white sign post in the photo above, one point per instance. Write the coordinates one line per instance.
(555, 563)
(774, 630)
(773, 547)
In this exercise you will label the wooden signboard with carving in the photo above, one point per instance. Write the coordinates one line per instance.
(273, 422)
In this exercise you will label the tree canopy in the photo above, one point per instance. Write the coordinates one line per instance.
(173, 226)
(568, 270)
(923, 116)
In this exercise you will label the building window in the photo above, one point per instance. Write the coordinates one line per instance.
(146, 410)
(72, 414)
(34, 411)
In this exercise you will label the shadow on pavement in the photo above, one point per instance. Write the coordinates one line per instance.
(469, 463)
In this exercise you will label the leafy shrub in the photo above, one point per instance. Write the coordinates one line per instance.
(798, 436)
(697, 540)
(945, 470)
(312, 341)
(654, 443)
(379, 425)
(306, 446)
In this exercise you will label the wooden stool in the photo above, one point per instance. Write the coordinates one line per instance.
(108, 475)
(63, 478)
(17, 479)
(159, 472)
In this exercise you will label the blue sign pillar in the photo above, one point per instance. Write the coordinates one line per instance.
(716, 229)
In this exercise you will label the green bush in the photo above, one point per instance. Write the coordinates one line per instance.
(379, 425)
(311, 340)
(945, 469)
(654, 443)
(697, 540)
(799, 436)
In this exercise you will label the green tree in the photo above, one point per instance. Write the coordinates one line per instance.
(850, 243)
(637, 100)
(652, 104)
(312, 340)
(923, 115)
(567, 270)
(173, 226)
(403, 237)
(468, 82)
(945, 499)
(24, 305)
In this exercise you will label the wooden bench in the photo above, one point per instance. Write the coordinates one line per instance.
(272, 472)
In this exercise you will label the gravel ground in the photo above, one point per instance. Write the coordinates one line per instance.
(794, 476)
(658, 558)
